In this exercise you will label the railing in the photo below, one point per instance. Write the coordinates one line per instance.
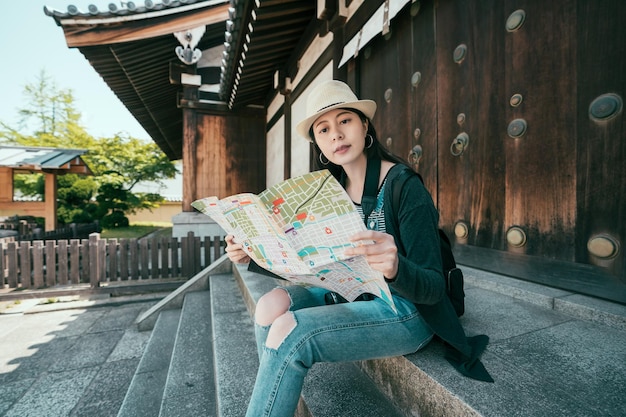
(40, 264)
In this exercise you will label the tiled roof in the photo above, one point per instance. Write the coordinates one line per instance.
(128, 8)
(133, 48)
(40, 159)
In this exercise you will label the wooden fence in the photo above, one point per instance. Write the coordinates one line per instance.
(45, 264)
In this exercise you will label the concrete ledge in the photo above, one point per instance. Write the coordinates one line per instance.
(174, 300)
(576, 305)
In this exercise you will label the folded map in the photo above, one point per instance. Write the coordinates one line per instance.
(299, 229)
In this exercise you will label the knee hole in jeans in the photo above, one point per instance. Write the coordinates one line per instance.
(281, 328)
(271, 306)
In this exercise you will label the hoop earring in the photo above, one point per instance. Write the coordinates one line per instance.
(371, 141)
(322, 161)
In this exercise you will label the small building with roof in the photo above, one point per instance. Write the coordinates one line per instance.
(50, 162)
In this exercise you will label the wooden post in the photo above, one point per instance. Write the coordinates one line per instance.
(84, 263)
(190, 129)
(25, 269)
(37, 254)
(50, 200)
(134, 258)
(145, 259)
(75, 261)
(175, 254)
(12, 264)
(113, 261)
(124, 259)
(51, 264)
(165, 257)
(62, 257)
(154, 261)
(217, 247)
(102, 259)
(94, 264)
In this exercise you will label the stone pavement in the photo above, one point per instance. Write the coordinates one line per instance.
(72, 358)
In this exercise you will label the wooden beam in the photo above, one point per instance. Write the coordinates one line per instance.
(23, 208)
(6, 179)
(118, 30)
(50, 200)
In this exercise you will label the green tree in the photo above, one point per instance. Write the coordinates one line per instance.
(118, 163)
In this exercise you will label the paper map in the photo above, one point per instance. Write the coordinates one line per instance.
(299, 229)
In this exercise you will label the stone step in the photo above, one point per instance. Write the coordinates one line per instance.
(236, 358)
(145, 393)
(190, 387)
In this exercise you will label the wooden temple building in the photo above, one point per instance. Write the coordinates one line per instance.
(512, 111)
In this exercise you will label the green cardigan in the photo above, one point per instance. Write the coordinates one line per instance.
(420, 277)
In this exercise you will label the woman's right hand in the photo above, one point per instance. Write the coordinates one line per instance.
(235, 251)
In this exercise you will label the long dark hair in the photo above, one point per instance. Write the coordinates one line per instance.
(377, 150)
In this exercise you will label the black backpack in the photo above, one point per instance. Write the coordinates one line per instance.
(452, 274)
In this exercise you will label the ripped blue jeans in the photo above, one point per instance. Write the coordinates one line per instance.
(329, 333)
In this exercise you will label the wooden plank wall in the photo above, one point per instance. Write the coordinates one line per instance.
(230, 154)
(601, 145)
(470, 100)
(564, 180)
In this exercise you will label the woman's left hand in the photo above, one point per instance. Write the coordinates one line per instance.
(382, 255)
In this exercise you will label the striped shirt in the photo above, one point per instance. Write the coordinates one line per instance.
(376, 220)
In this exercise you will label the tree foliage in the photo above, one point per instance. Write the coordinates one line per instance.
(119, 163)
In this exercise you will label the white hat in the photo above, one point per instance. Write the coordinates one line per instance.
(328, 96)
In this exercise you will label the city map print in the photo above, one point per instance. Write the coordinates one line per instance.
(299, 230)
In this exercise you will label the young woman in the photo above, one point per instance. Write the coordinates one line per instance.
(297, 327)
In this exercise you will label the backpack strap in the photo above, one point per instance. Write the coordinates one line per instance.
(370, 189)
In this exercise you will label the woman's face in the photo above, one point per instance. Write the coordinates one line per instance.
(340, 135)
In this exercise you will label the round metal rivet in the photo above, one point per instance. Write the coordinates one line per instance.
(416, 78)
(605, 107)
(516, 237)
(388, 35)
(417, 132)
(460, 118)
(603, 246)
(388, 95)
(516, 100)
(389, 142)
(367, 52)
(517, 128)
(415, 8)
(515, 20)
(460, 230)
(459, 53)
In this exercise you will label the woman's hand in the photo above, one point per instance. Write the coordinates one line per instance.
(382, 255)
(235, 251)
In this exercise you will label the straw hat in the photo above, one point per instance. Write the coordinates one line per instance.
(328, 96)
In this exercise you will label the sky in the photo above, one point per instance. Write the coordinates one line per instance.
(31, 41)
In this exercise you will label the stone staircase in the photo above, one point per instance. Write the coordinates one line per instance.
(201, 359)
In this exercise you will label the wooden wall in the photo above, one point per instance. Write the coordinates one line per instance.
(560, 183)
(229, 155)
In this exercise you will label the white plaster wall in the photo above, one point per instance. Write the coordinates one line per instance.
(275, 162)
(300, 147)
